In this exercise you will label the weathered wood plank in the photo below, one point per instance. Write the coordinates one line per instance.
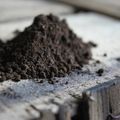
(115, 100)
(103, 101)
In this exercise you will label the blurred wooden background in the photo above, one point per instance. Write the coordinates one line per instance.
(11, 10)
(108, 7)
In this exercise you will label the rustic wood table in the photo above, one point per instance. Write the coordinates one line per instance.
(86, 96)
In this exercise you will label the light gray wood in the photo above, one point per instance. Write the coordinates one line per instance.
(103, 101)
(115, 99)
(110, 7)
(64, 113)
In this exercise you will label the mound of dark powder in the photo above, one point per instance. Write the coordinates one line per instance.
(48, 48)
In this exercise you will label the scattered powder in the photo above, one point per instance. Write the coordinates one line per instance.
(48, 48)
(105, 54)
(100, 72)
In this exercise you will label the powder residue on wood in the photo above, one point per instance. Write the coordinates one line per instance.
(100, 72)
(48, 48)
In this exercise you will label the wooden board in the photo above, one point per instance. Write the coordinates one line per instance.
(102, 101)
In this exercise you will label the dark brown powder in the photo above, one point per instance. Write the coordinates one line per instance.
(46, 49)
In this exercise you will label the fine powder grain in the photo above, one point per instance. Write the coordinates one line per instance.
(48, 48)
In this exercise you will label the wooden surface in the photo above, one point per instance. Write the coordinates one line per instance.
(109, 7)
(103, 101)
(28, 100)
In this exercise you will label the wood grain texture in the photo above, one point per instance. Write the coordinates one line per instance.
(103, 101)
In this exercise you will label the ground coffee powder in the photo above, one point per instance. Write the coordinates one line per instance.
(46, 49)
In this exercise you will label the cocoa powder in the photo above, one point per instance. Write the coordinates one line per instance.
(48, 48)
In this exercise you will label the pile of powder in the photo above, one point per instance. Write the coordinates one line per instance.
(48, 48)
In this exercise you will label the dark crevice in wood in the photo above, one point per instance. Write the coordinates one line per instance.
(110, 108)
(57, 116)
(74, 118)
(83, 109)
